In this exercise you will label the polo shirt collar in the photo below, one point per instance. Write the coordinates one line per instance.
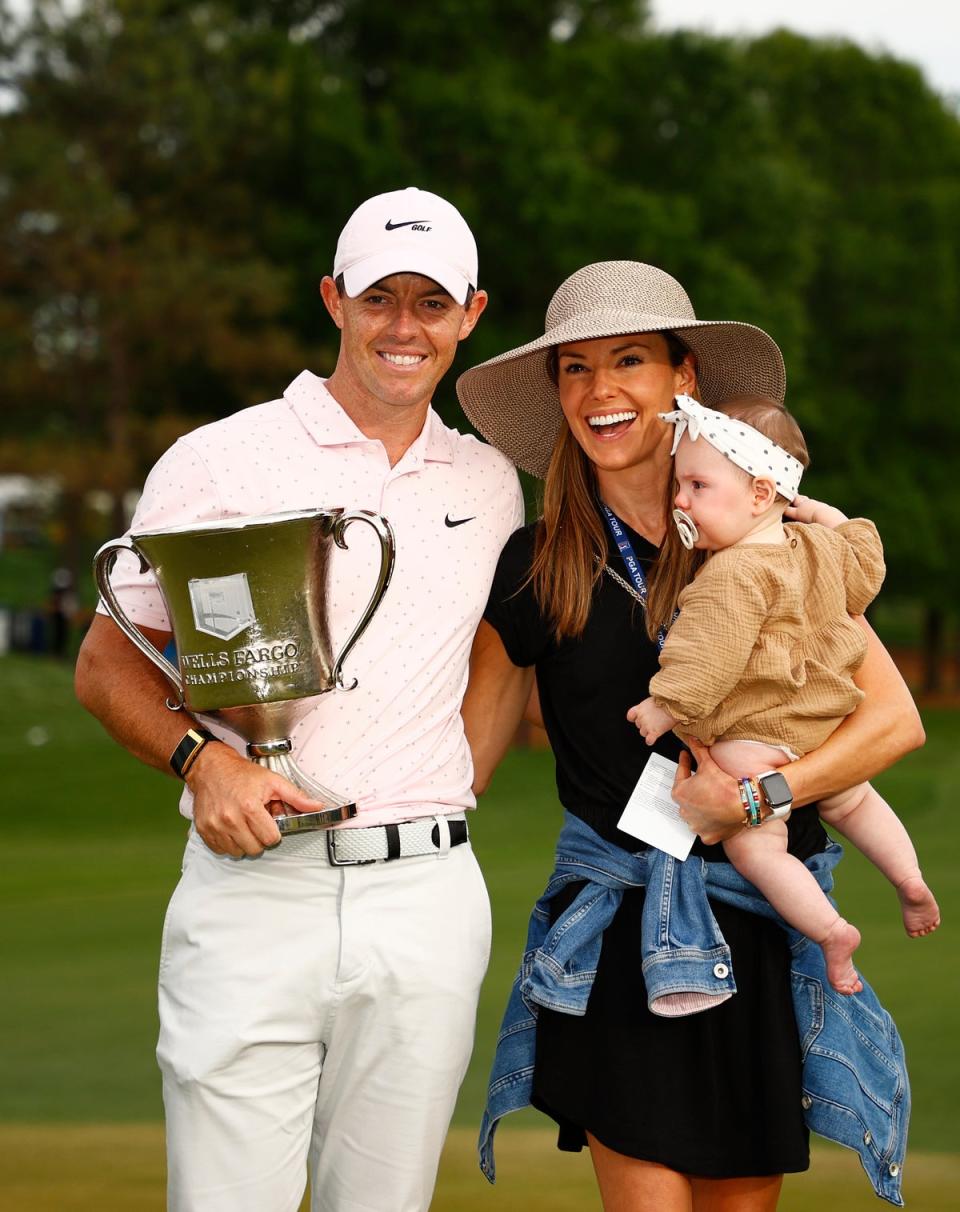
(329, 425)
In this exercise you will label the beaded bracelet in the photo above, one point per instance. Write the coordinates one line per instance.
(750, 799)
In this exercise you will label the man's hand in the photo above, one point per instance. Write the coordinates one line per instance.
(710, 799)
(651, 721)
(235, 801)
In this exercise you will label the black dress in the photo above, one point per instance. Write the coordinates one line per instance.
(715, 1094)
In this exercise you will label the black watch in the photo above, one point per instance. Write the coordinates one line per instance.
(776, 793)
(189, 749)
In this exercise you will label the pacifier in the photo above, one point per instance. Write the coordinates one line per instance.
(686, 528)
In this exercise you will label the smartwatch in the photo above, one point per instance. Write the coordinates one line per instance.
(189, 749)
(776, 792)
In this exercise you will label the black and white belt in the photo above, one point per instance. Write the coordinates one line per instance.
(381, 843)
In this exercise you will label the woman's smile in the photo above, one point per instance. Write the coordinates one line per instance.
(611, 425)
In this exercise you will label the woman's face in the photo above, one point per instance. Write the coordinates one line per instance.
(611, 390)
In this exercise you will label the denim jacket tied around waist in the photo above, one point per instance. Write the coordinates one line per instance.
(855, 1089)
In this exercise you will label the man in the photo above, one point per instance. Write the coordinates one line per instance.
(316, 1015)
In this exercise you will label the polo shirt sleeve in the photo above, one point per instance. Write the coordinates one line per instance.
(512, 608)
(519, 509)
(179, 491)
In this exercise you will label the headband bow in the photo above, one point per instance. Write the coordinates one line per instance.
(743, 445)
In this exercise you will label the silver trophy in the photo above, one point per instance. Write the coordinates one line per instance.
(247, 602)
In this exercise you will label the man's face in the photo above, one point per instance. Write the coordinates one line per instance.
(398, 339)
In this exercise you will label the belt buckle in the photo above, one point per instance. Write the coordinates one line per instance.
(339, 862)
(332, 851)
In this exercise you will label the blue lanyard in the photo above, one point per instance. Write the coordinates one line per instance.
(629, 557)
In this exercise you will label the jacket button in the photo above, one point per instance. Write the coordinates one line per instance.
(867, 1137)
(894, 1169)
(806, 1102)
(720, 971)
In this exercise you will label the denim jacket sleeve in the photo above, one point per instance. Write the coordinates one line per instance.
(855, 1087)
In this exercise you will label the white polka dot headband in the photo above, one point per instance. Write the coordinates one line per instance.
(743, 445)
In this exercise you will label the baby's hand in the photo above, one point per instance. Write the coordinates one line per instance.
(806, 509)
(652, 721)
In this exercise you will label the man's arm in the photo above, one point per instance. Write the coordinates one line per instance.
(498, 694)
(884, 728)
(117, 684)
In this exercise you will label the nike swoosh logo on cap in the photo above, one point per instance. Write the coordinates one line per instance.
(390, 226)
(448, 521)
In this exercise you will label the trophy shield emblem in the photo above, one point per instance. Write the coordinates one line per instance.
(222, 606)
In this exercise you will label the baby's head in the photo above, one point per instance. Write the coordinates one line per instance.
(729, 481)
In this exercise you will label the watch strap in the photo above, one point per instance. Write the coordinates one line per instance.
(189, 749)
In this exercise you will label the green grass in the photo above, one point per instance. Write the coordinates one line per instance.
(120, 1168)
(92, 844)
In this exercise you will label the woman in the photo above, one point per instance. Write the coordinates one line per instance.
(701, 1112)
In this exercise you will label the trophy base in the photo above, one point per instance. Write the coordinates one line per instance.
(276, 756)
(309, 822)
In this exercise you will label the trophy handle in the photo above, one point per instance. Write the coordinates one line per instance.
(103, 563)
(384, 532)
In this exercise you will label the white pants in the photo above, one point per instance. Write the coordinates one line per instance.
(316, 1019)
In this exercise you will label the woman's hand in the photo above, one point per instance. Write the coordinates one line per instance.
(710, 799)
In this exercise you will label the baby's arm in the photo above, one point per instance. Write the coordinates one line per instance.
(651, 720)
(859, 550)
(806, 509)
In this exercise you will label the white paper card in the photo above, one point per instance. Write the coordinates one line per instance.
(652, 814)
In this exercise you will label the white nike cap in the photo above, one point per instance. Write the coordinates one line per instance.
(407, 231)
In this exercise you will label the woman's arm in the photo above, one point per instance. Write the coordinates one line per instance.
(884, 728)
(497, 697)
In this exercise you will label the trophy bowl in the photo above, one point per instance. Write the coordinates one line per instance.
(247, 600)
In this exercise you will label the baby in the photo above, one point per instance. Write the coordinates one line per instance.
(759, 662)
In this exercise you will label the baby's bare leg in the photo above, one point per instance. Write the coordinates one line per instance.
(760, 855)
(867, 820)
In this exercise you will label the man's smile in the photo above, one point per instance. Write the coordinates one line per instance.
(396, 359)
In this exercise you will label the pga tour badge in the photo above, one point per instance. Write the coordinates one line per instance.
(222, 606)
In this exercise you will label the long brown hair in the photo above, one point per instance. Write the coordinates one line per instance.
(674, 570)
(571, 540)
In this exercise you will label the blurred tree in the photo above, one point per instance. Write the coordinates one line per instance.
(174, 176)
(883, 305)
(131, 284)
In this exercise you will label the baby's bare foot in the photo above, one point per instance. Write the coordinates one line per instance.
(838, 947)
(921, 914)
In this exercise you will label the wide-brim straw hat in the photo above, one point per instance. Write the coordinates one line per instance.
(512, 401)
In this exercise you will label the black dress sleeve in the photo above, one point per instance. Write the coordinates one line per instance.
(512, 608)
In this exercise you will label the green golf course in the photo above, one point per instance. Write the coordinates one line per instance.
(93, 850)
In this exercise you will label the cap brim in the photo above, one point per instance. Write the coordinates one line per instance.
(403, 260)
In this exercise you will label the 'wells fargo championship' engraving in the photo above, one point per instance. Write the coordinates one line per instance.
(272, 660)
